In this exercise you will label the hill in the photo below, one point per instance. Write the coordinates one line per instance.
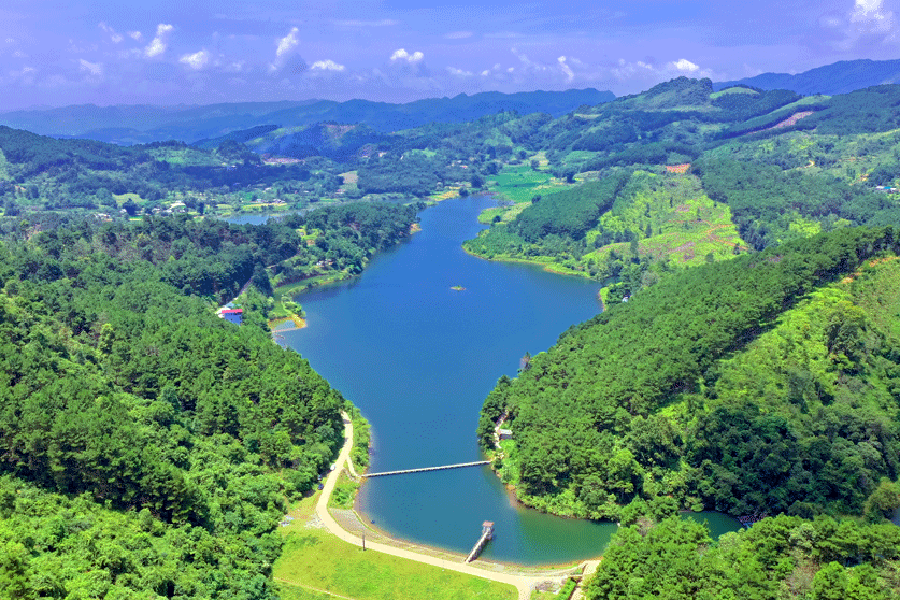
(747, 386)
(145, 124)
(841, 77)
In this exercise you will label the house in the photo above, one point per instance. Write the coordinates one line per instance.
(505, 434)
(233, 315)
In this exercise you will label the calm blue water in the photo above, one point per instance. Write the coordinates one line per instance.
(418, 359)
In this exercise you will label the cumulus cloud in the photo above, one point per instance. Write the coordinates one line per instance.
(683, 65)
(160, 43)
(626, 69)
(867, 22)
(565, 68)
(286, 57)
(327, 65)
(871, 16)
(288, 43)
(196, 61)
(459, 72)
(135, 35)
(95, 69)
(402, 54)
(113, 34)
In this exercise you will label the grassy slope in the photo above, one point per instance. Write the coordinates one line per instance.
(845, 157)
(686, 225)
(313, 557)
(521, 183)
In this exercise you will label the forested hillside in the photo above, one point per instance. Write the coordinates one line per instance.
(147, 446)
(778, 558)
(143, 439)
(743, 386)
(39, 173)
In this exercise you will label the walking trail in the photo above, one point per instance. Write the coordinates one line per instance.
(522, 582)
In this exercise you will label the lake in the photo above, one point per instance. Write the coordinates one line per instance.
(418, 359)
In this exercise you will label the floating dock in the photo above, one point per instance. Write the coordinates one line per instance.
(487, 532)
(476, 463)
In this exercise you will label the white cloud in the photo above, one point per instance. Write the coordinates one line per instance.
(402, 54)
(196, 61)
(327, 65)
(867, 22)
(684, 65)
(287, 43)
(565, 68)
(458, 35)
(113, 35)
(19, 54)
(872, 16)
(286, 57)
(95, 69)
(460, 72)
(135, 35)
(160, 43)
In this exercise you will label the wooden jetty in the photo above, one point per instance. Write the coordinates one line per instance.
(487, 532)
(476, 463)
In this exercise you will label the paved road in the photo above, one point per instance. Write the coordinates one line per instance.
(523, 583)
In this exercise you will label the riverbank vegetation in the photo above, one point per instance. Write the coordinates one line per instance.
(147, 445)
(757, 385)
(778, 557)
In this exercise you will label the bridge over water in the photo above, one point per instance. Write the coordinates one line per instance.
(476, 463)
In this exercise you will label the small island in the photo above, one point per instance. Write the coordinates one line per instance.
(458, 288)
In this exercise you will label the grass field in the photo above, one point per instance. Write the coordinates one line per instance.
(314, 560)
(521, 183)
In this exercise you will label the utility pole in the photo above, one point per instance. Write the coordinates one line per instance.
(364, 542)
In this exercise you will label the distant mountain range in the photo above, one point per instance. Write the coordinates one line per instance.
(839, 78)
(131, 124)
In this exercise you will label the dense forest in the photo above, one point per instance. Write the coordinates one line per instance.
(146, 446)
(743, 386)
(781, 557)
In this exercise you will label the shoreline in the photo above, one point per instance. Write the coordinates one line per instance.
(523, 580)
(386, 536)
(309, 284)
(536, 263)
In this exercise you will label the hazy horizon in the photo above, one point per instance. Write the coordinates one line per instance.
(109, 53)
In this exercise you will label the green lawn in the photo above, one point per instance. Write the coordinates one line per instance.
(317, 559)
(521, 183)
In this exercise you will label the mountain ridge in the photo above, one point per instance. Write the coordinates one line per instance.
(134, 124)
(841, 77)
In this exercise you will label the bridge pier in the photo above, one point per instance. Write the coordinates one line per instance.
(487, 532)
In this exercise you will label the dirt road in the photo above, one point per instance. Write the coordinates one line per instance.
(523, 583)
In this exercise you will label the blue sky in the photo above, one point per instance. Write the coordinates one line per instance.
(54, 53)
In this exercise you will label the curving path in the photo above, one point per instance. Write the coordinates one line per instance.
(523, 583)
